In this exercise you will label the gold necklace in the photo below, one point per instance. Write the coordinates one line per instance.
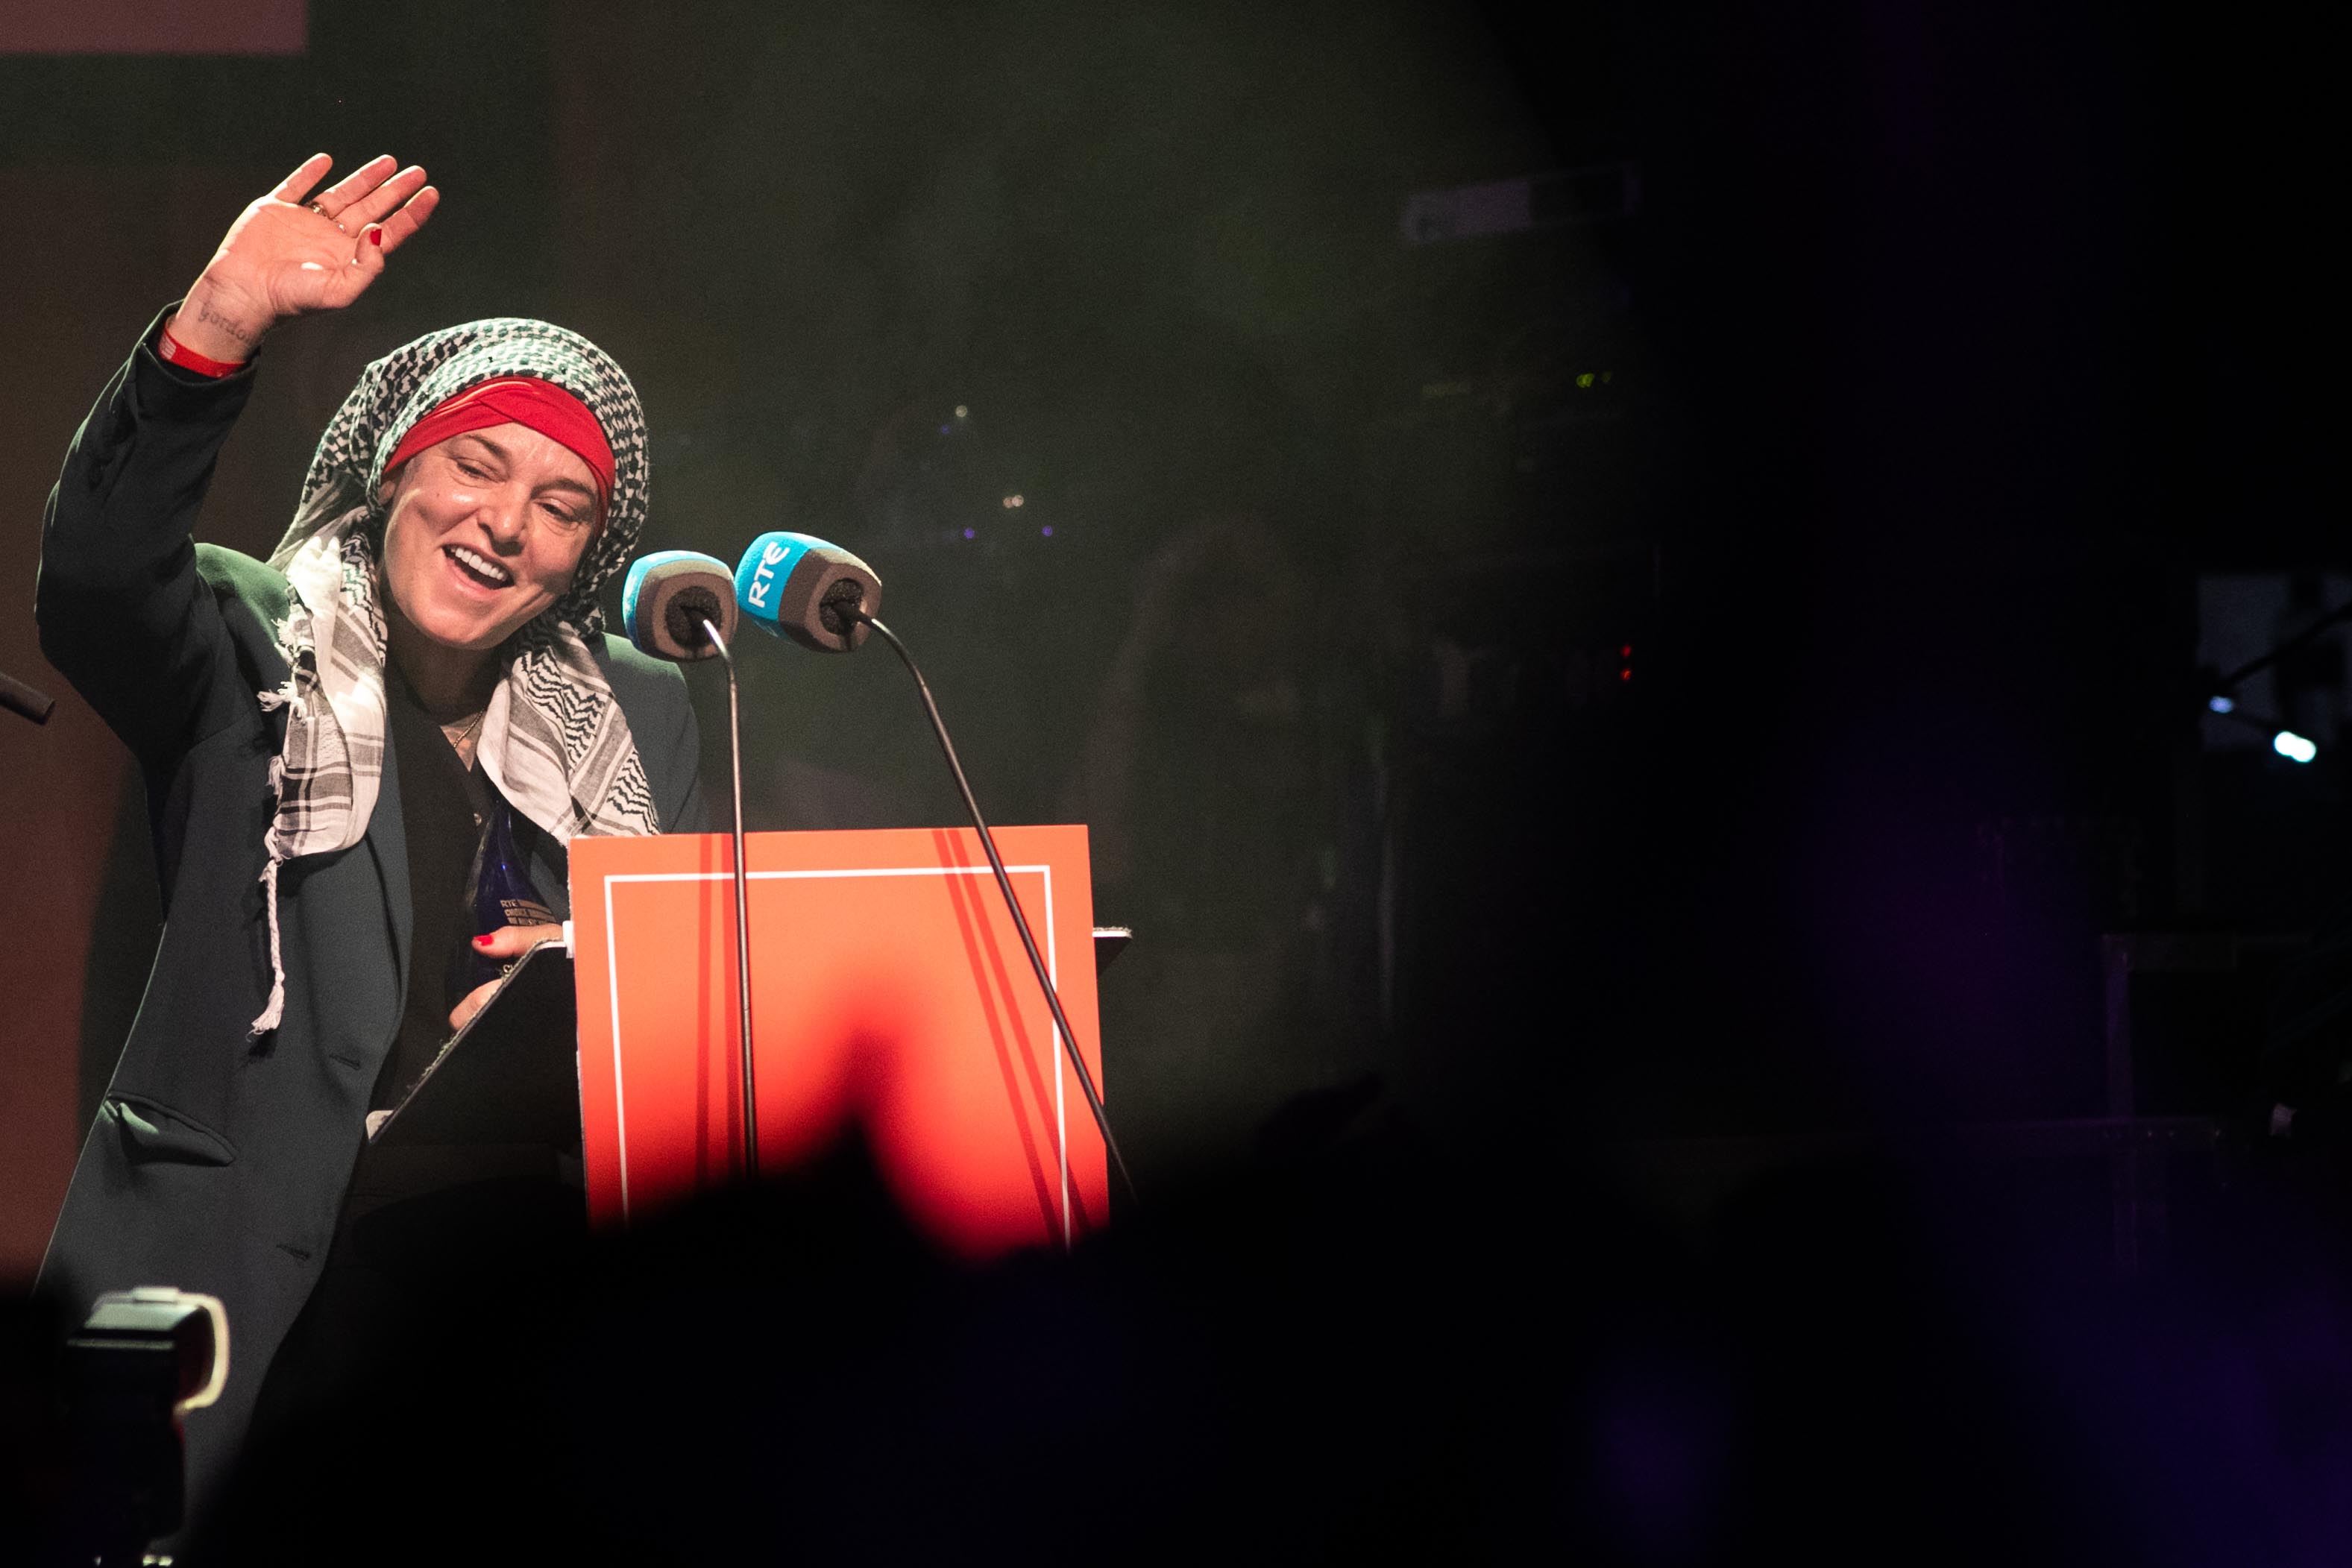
(461, 736)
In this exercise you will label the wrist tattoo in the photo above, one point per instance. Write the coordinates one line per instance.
(212, 318)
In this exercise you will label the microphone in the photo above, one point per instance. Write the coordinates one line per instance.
(818, 594)
(822, 597)
(666, 598)
(679, 604)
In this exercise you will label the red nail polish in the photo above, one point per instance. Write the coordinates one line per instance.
(376, 236)
(481, 941)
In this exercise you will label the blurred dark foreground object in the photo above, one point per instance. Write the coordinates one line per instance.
(1366, 1347)
(140, 1361)
(1339, 1356)
(89, 1422)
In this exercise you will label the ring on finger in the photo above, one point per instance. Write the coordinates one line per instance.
(325, 214)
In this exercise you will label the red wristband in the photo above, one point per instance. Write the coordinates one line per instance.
(178, 353)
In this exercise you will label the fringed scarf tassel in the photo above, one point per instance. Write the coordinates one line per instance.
(275, 1013)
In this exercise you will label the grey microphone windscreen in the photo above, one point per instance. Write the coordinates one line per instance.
(669, 595)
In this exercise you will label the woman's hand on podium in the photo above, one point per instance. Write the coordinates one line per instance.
(293, 252)
(508, 944)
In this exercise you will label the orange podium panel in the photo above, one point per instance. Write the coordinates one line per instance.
(888, 988)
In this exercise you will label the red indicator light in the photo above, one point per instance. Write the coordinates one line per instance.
(1624, 674)
(1626, 652)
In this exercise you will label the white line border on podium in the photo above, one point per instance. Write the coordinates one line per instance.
(612, 983)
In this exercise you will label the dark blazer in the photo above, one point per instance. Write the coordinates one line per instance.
(218, 1163)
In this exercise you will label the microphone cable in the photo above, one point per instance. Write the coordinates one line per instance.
(847, 609)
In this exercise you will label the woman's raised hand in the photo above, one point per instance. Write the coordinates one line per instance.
(293, 252)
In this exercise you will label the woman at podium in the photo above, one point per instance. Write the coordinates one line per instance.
(328, 739)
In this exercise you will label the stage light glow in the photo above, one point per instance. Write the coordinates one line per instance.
(1011, 502)
(947, 429)
(961, 411)
(971, 533)
(2221, 705)
(1047, 530)
(2292, 747)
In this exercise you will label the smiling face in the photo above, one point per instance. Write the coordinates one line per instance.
(486, 530)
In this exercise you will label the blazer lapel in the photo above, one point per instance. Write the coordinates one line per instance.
(387, 841)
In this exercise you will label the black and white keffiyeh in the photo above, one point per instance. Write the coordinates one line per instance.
(553, 740)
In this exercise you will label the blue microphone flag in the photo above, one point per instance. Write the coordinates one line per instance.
(797, 586)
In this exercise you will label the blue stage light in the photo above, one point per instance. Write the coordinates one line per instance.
(2292, 747)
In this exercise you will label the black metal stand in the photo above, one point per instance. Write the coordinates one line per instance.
(742, 908)
(1004, 885)
(2300, 640)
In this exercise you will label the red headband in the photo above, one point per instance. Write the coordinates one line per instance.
(519, 399)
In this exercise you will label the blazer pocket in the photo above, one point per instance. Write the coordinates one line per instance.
(151, 1131)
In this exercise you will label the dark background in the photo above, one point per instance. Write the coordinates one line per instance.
(1943, 350)
(1752, 743)
(1661, 708)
